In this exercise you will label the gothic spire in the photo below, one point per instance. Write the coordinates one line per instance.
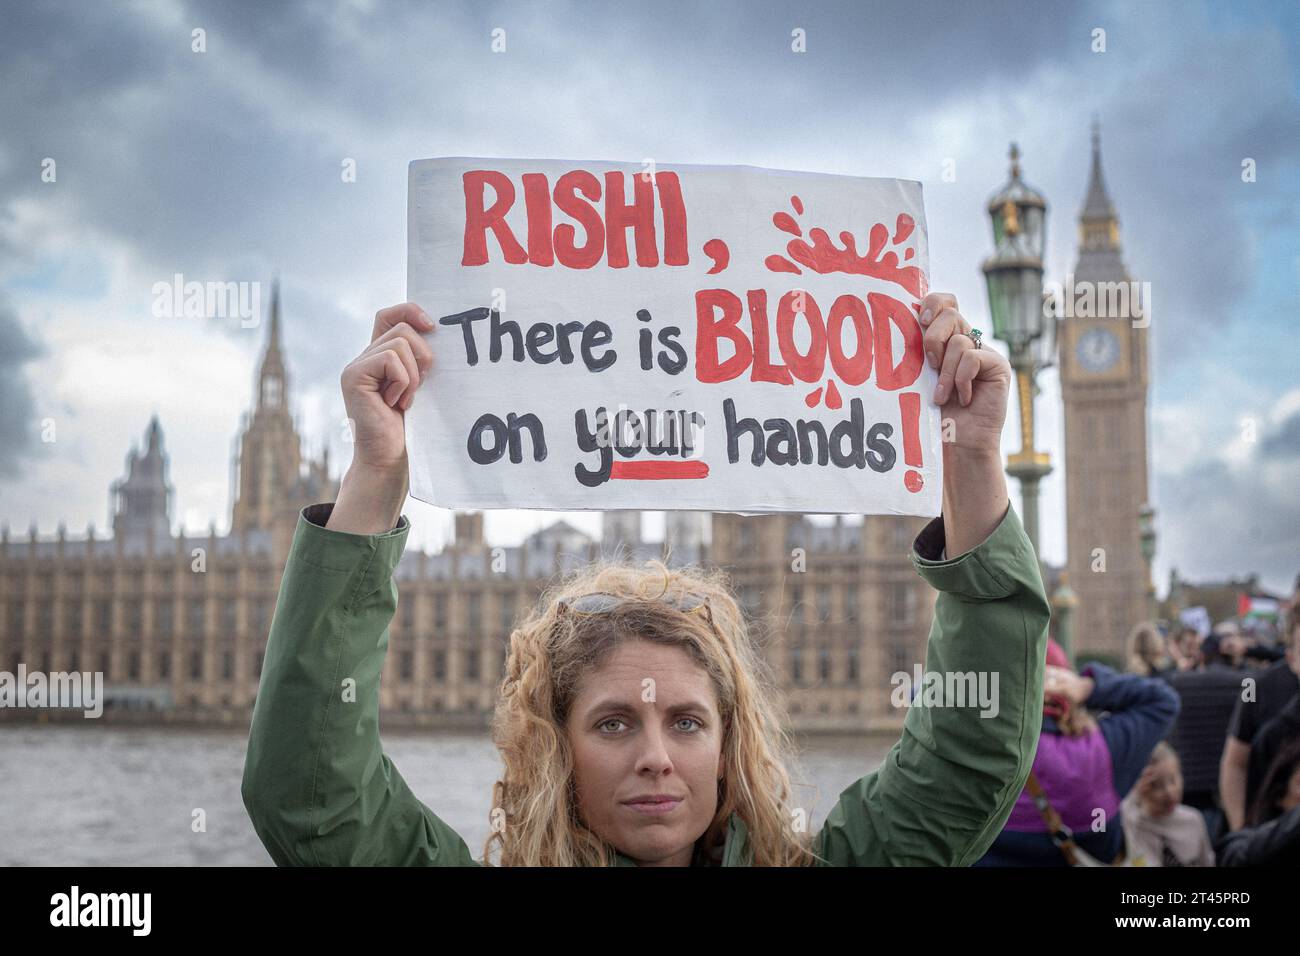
(142, 499)
(153, 444)
(1097, 206)
(272, 377)
(273, 336)
(1099, 247)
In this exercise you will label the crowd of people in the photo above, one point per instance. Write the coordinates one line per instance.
(1189, 758)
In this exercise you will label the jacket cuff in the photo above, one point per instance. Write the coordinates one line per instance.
(1103, 684)
(373, 557)
(981, 573)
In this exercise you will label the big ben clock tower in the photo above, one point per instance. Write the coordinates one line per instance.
(1103, 363)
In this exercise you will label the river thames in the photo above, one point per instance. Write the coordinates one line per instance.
(74, 795)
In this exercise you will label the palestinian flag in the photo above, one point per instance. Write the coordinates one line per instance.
(1256, 607)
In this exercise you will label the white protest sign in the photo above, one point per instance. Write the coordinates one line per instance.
(1197, 617)
(723, 338)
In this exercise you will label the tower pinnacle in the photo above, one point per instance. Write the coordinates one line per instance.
(272, 385)
(1097, 205)
(1099, 248)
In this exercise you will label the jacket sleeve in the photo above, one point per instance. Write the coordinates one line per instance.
(947, 787)
(1270, 844)
(1142, 711)
(317, 785)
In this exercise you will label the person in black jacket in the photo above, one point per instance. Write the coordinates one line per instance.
(1208, 699)
(1273, 688)
(1276, 843)
(1270, 740)
(1273, 838)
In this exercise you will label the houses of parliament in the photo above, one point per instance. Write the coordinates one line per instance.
(178, 624)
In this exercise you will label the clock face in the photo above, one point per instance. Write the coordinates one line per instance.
(1098, 349)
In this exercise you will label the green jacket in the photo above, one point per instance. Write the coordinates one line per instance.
(320, 790)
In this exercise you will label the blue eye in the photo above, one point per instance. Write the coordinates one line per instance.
(603, 726)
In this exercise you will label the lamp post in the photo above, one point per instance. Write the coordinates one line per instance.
(1147, 531)
(1064, 603)
(1014, 276)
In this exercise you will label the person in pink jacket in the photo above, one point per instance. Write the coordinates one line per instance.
(1085, 764)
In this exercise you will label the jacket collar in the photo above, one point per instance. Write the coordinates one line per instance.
(735, 851)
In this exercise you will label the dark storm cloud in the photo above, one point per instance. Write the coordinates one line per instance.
(197, 158)
(174, 152)
(1173, 155)
(225, 164)
(18, 425)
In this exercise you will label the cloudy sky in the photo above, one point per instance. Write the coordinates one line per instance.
(225, 165)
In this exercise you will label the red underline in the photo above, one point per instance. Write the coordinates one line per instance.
(655, 470)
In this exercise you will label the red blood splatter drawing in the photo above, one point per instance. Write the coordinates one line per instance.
(824, 257)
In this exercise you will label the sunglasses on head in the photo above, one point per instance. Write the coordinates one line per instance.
(602, 602)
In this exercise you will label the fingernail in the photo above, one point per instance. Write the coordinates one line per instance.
(934, 358)
(927, 316)
(938, 394)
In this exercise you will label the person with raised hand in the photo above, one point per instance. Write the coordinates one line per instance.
(596, 770)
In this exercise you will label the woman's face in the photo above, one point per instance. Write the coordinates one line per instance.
(644, 724)
(1291, 799)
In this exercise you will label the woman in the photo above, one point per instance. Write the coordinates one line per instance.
(634, 724)
(1084, 765)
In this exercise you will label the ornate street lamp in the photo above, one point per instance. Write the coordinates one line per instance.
(1147, 533)
(1021, 318)
(1064, 603)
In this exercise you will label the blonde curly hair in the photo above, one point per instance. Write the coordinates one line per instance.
(535, 815)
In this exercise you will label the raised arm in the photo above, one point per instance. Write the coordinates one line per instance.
(317, 785)
(947, 787)
(1140, 713)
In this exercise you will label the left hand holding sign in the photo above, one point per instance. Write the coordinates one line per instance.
(973, 390)
(979, 379)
